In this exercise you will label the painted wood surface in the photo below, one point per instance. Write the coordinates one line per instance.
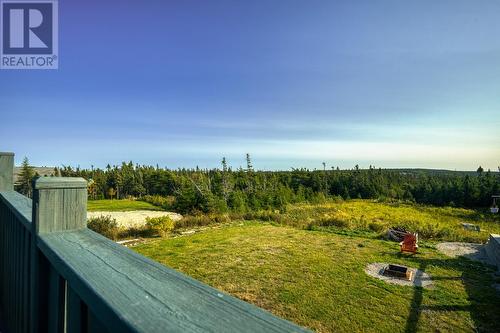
(61, 204)
(15, 260)
(19, 205)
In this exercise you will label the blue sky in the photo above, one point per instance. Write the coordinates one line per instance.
(293, 83)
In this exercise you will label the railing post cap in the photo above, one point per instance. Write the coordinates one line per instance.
(6, 153)
(59, 182)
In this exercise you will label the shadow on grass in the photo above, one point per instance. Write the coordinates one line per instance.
(484, 302)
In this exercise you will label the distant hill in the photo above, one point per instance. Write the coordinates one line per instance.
(42, 171)
(440, 171)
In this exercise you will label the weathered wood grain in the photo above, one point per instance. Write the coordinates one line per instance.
(130, 293)
(61, 204)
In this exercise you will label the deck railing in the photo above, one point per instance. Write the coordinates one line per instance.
(58, 276)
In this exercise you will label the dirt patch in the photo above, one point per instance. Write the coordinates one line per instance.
(472, 251)
(136, 218)
(419, 278)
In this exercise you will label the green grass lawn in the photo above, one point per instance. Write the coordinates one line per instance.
(119, 205)
(317, 279)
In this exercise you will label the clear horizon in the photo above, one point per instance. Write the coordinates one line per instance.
(184, 83)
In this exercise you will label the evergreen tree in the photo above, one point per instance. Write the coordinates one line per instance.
(241, 190)
(26, 178)
(249, 163)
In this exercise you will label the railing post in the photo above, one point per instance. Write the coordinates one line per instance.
(59, 204)
(6, 171)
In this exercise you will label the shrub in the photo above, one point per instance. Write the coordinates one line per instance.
(193, 221)
(160, 201)
(375, 226)
(189, 221)
(333, 221)
(160, 225)
(104, 225)
(135, 232)
(264, 215)
(427, 231)
(220, 218)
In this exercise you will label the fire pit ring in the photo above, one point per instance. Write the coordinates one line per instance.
(398, 271)
(418, 277)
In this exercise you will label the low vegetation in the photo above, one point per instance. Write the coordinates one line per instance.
(105, 225)
(432, 223)
(160, 226)
(317, 279)
(370, 218)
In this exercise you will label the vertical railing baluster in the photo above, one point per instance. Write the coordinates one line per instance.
(56, 302)
(75, 313)
(94, 325)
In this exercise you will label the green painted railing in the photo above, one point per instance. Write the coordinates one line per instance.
(58, 276)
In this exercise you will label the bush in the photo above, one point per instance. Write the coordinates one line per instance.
(157, 200)
(104, 225)
(377, 227)
(264, 215)
(190, 221)
(334, 222)
(220, 218)
(160, 225)
(428, 231)
(135, 232)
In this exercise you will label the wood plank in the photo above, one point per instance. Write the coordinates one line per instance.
(130, 293)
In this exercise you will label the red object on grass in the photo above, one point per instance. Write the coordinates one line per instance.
(409, 243)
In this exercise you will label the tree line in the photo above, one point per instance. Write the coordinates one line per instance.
(244, 189)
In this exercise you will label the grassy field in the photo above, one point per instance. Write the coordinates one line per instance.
(317, 279)
(119, 205)
(368, 218)
(435, 223)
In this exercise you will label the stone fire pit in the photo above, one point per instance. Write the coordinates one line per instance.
(409, 277)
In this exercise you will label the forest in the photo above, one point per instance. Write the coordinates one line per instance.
(239, 190)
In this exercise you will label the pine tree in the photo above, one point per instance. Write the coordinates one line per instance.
(249, 163)
(26, 178)
(224, 164)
